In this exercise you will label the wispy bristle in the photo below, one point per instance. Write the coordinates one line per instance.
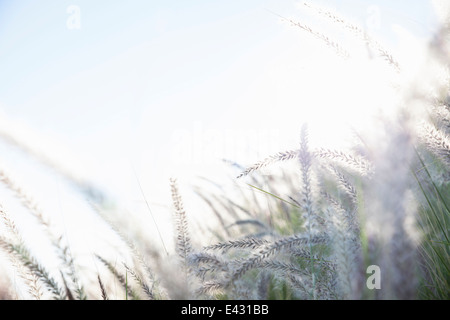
(25, 257)
(438, 143)
(324, 38)
(30, 279)
(247, 243)
(183, 243)
(102, 288)
(211, 287)
(141, 282)
(122, 280)
(358, 163)
(359, 32)
(345, 184)
(277, 246)
(280, 156)
(23, 196)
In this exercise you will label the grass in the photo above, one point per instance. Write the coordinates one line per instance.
(310, 230)
(434, 224)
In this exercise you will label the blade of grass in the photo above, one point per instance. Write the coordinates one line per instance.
(273, 195)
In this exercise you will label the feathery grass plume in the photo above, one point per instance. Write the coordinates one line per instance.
(27, 201)
(300, 284)
(154, 291)
(183, 243)
(350, 161)
(302, 287)
(357, 31)
(283, 267)
(211, 269)
(305, 160)
(280, 156)
(102, 288)
(357, 163)
(31, 280)
(242, 291)
(344, 184)
(440, 115)
(69, 269)
(25, 257)
(13, 236)
(9, 223)
(144, 286)
(246, 243)
(437, 142)
(123, 280)
(212, 288)
(340, 51)
(349, 215)
(213, 263)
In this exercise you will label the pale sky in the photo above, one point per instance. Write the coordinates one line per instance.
(140, 70)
